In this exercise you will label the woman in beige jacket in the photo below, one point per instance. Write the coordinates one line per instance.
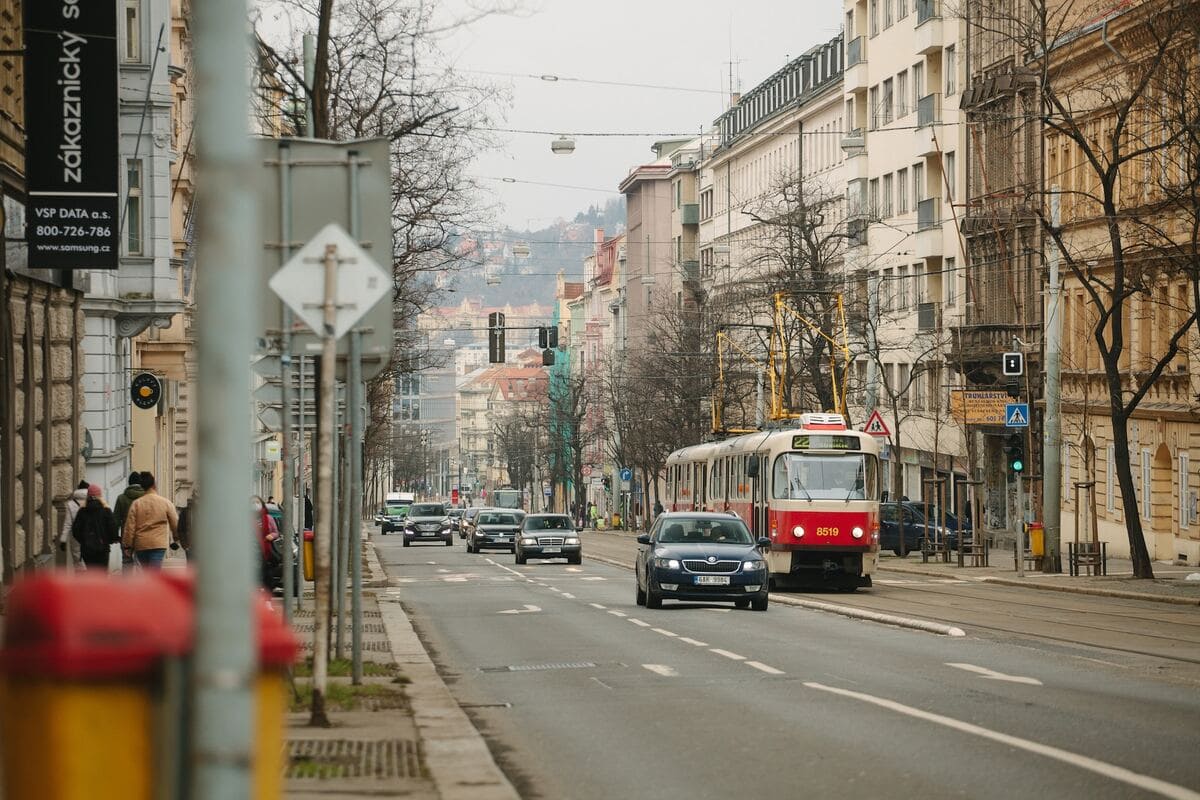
(150, 526)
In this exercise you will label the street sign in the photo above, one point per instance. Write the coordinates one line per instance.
(319, 174)
(272, 450)
(875, 425)
(982, 407)
(1016, 415)
(361, 283)
(1014, 364)
(626, 474)
(145, 390)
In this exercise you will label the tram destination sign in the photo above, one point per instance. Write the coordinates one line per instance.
(824, 441)
(71, 134)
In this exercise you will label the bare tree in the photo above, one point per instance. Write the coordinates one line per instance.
(1119, 89)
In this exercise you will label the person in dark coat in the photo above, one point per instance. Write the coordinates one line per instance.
(95, 529)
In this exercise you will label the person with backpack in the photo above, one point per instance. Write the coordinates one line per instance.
(95, 531)
(68, 545)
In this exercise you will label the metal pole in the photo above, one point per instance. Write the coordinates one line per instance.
(302, 505)
(355, 401)
(873, 346)
(1020, 528)
(285, 374)
(325, 516)
(1052, 428)
(346, 540)
(222, 741)
(337, 585)
(310, 70)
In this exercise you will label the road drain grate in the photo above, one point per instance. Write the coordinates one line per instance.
(322, 759)
(535, 667)
(371, 647)
(308, 612)
(368, 627)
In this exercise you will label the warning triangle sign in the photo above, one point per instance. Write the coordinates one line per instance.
(876, 426)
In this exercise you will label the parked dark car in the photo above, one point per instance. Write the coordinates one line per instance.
(427, 522)
(494, 528)
(548, 536)
(456, 519)
(701, 556)
(916, 527)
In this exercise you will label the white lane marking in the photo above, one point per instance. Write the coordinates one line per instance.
(690, 640)
(727, 654)
(568, 595)
(661, 669)
(720, 610)
(574, 569)
(639, 623)
(443, 569)
(602, 683)
(1112, 771)
(664, 633)
(528, 609)
(758, 665)
(618, 613)
(554, 589)
(457, 578)
(992, 675)
(593, 578)
(597, 605)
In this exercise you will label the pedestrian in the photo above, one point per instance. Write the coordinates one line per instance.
(121, 510)
(308, 512)
(187, 526)
(275, 511)
(593, 513)
(266, 533)
(66, 544)
(658, 507)
(150, 526)
(95, 531)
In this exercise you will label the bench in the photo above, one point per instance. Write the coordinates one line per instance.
(1031, 561)
(1091, 556)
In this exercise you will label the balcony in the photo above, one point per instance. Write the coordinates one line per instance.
(855, 77)
(689, 214)
(928, 34)
(856, 165)
(856, 199)
(928, 216)
(691, 270)
(925, 136)
(929, 229)
(928, 316)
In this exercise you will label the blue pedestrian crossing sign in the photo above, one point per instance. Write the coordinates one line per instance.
(1016, 415)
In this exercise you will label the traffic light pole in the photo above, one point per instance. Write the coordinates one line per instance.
(1052, 427)
(1020, 527)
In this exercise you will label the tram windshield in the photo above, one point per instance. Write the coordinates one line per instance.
(825, 476)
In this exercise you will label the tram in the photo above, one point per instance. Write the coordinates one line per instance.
(813, 490)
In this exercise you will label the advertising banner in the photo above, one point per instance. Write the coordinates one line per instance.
(72, 156)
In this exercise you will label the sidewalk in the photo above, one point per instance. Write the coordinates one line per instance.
(1170, 584)
(401, 734)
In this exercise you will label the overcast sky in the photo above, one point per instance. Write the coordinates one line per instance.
(661, 42)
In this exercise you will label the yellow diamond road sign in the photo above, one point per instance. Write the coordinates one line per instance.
(361, 283)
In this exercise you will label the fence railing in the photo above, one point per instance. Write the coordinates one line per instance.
(927, 213)
(856, 51)
(927, 110)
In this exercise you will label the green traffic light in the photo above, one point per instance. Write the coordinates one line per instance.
(1018, 465)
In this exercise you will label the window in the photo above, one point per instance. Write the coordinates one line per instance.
(133, 207)
(918, 175)
(678, 193)
(902, 383)
(886, 290)
(133, 30)
(1110, 467)
(874, 14)
(950, 64)
(873, 198)
(888, 194)
(902, 94)
(887, 13)
(1185, 504)
(873, 97)
(918, 83)
(948, 166)
(901, 9)
(1147, 486)
(950, 279)
(902, 288)
(888, 101)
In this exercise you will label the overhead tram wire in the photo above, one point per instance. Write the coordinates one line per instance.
(551, 78)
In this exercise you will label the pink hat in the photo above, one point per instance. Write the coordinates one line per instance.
(93, 490)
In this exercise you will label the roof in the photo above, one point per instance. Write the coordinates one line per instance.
(572, 290)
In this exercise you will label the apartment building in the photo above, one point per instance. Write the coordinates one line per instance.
(904, 171)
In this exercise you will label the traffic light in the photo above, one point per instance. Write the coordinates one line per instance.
(496, 338)
(1014, 451)
(548, 337)
(1013, 387)
(547, 358)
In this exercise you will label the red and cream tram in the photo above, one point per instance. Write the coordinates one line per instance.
(813, 490)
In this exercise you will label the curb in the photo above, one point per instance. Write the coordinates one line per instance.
(1049, 587)
(458, 759)
(846, 611)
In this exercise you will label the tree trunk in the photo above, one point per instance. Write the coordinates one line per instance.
(1142, 566)
(320, 87)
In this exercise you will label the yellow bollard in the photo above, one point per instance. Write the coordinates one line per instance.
(276, 652)
(80, 672)
(309, 557)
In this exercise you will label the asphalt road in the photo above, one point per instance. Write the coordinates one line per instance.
(582, 694)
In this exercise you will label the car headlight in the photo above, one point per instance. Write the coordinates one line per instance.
(667, 563)
(798, 532)
(572, 540)
(753, 566)
(857, 533)
(529, 542)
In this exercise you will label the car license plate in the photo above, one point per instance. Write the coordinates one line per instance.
(551, 549)
(429, 533)
(712, 580)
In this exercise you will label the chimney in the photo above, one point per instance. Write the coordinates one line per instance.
(598, 237)
(734, 98)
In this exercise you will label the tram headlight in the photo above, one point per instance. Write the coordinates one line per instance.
(798, 532)
(857, 533)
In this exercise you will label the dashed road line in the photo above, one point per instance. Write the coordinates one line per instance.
(661, 669)
(761, 667)
(597, 605)
(692, 641)
(639, 623)
(664, 633)
(568, 595)
(618, 613)
(727, 654)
